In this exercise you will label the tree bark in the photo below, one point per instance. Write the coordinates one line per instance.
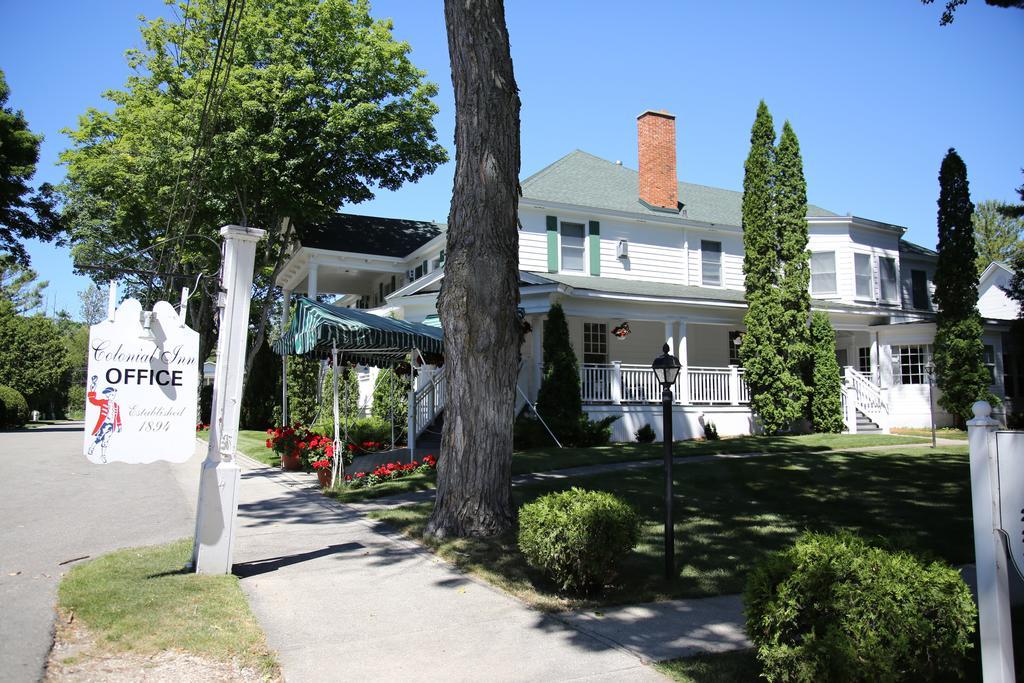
(480, 293)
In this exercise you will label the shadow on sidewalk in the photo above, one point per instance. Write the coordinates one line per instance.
(244, 570)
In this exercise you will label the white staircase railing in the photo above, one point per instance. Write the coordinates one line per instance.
(860, 393)
(428, 403)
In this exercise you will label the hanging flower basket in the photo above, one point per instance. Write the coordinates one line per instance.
(622, 331)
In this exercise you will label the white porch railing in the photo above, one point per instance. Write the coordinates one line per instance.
(624, 383)
(860, 393)
(428, 403)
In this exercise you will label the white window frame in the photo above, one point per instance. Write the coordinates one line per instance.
(561, 255)
(721, 277)
(835, 275)
(595, 335)
(918, 373)
(895, 280)
(871, 295)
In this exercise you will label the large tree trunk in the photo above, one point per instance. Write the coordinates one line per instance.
(478, 299)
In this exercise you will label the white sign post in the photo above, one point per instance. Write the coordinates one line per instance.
(142, 381)
(990, 549)
(218, 486)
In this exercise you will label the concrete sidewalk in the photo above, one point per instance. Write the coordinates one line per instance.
(342, 597)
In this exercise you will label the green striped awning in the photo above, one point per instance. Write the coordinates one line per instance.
(362, 337)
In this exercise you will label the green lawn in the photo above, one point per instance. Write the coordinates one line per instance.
(141, 600)
(253, 443)
(547, 459)
(730, 512)
(739, 666)
(944, 433)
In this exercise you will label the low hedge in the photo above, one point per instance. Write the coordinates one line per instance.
(576, 537)
(13, 408)
(833, 608)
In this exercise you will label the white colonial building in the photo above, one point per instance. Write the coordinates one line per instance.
(638, 259)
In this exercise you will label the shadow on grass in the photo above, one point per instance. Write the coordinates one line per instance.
(731, 513)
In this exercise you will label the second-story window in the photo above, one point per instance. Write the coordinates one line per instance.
(573, 246)
(919, 289)
(862, 274)
(711, 263)
(887, 278)
(823, 272)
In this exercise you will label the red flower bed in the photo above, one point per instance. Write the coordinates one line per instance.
(390, 471)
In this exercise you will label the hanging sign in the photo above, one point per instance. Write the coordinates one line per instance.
(141, 386)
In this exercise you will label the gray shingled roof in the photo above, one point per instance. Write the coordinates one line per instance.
(584, 179)
(911, 248)
(368, 234)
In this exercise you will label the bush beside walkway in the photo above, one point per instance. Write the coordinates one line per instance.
(730, 512)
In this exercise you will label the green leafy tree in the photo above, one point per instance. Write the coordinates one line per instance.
(94, 305)
(298, 108)
(959, 353)
(558, 399)
(827, 384)
(794, 259)
(303, 386)
(952, 5)
(776, 391)
(24, 212)
(20, 285)
(34, 358)
(997, 237)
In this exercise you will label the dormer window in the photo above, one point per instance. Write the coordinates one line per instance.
(573, 246)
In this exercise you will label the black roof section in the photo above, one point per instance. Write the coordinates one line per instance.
(368, 234)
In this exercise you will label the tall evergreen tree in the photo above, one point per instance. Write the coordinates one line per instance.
(768, 375)
(959, 352)
(791, 216)
(558, 399)
(997, 236)
(827, 384)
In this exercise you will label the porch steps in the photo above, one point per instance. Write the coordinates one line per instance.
(865, 425)
(431, 436)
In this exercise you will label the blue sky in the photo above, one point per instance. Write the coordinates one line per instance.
(877, 92)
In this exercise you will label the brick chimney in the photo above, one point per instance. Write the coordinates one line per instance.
(656, 134)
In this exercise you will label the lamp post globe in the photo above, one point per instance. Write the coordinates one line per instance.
(666, 369)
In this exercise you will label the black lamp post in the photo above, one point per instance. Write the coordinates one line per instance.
(930, 369)
(666, 369)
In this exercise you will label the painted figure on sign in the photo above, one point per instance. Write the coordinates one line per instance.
(109, 420)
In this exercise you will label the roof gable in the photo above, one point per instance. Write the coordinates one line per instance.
(586, 180)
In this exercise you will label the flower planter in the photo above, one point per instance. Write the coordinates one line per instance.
(291, 462)
(324, 477)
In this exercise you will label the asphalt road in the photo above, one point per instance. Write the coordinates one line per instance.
(56, 507)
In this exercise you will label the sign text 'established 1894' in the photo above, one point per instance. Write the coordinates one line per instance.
(141, 388)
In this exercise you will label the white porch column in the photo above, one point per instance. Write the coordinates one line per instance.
(286, 300)
(536, 355)
(876, 366)
(683, 395)
(669, 336)
(311, 281)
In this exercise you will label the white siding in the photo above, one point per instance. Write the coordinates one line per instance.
(732, 257)
(992, 300)
(533, 242)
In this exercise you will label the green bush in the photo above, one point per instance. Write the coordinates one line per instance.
(13, 408)
(528, 432)
(594, 432)
(372, 430)
(76, 402)
(645, 434)
(576, 537)
(391, 393)
(833, 608)
(711, 431)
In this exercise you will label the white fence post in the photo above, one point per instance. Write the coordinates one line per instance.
(734, 385)
(220, 477)
(989, 550)
(616, 383)
(850, 416)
